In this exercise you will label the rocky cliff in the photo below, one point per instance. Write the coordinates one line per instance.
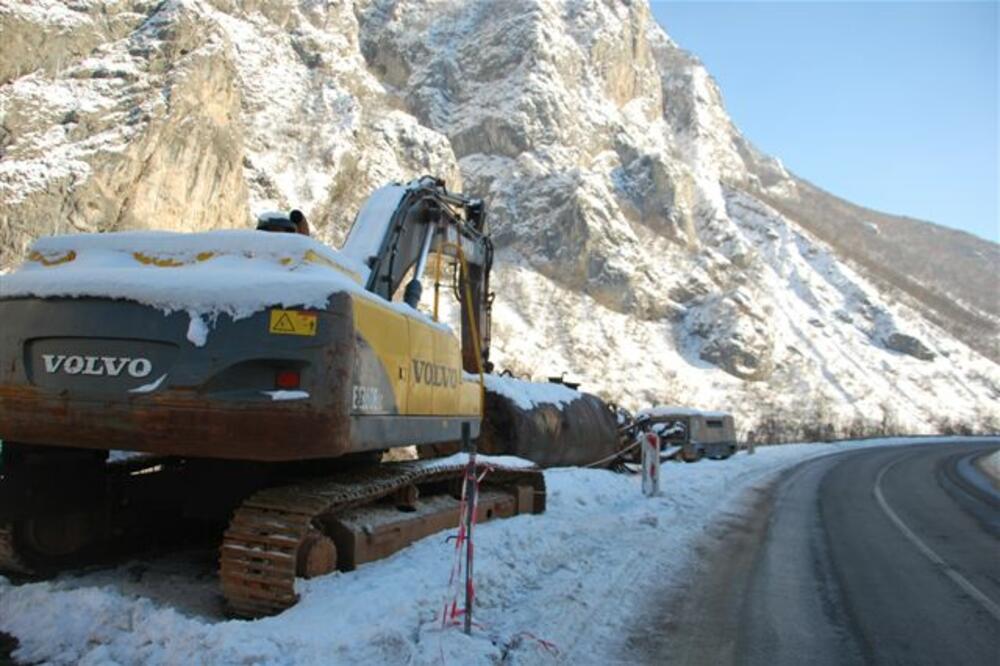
(645, 246)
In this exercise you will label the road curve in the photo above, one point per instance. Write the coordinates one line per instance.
(886, 555)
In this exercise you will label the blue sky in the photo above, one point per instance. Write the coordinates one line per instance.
(891, 105)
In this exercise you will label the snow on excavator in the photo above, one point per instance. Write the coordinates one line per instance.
(263, 375)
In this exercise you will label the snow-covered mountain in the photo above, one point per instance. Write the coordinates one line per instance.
(645, 246)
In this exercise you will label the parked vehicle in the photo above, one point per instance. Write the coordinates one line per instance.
(699, 434)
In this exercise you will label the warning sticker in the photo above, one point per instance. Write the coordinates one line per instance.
(292, 322)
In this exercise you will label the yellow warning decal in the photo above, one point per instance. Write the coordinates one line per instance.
(292, 322)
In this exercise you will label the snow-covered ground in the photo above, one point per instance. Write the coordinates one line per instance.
(991, 465)
(559, 587)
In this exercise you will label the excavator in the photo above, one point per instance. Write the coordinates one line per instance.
(261, 377)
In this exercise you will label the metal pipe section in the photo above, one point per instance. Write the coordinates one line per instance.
(414, 289)
(425, 251)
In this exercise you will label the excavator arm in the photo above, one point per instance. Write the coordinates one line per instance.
(398, 229)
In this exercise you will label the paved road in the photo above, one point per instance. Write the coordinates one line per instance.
(876, 556)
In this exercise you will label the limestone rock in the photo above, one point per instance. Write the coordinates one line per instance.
(907, 344)
(736, 335)
(644, 244)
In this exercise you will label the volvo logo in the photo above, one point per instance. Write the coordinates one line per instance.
(434, 374)
(110, 366)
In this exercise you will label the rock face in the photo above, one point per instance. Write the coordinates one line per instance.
(644, 244)
(907, 344)
(139, 131)
(738, 336)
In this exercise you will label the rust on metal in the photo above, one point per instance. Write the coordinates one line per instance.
(175, 423)
(576, 433)
(406, 497)
(316, 556)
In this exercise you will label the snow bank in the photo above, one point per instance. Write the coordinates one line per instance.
(991, 465)
(565, 576)
(528, 395)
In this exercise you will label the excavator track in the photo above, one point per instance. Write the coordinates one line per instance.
(16, 558)
(261, 554)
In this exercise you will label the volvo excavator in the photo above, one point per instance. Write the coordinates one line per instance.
(262, 376)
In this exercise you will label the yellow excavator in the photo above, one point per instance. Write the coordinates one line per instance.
(262, 376)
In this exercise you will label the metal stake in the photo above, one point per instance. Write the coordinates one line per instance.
(470, 505)
(650, 463)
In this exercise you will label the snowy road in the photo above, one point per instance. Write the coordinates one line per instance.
(890, 555)
(574, 585)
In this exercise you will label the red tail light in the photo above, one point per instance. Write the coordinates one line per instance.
(287, 379)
